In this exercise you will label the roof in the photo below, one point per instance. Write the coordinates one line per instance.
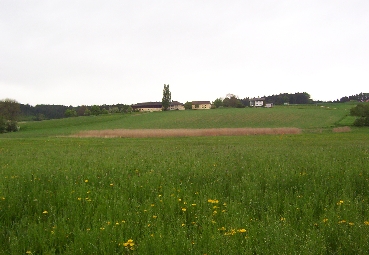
(258, 99)
(175, 103)
(148, 105)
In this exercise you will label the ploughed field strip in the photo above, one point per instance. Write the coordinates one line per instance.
(134, 133)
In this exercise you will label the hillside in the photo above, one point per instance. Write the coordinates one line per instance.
(306, 117)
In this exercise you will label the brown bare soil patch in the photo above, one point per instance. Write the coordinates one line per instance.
(137, 133)
(341, 129)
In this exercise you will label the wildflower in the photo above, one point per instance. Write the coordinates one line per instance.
(340, 202)
(213, 201)
(193, 204)
(129, 244)
(86, 181)
(325, 220)
(222, 229)
(28, 252)
(351, 223)
(154, 216)
(79, 199)
(366, 223)
(184, 209)
(111, 184)
(242, 230)
(230, 233)
(183, 225)
(342, 221)
(283, 219)
(45, 212)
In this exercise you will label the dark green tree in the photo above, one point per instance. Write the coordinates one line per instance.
(9, 113)
(362, 113)
(218, 102)
(95, 110)
(188, 105)
(70, 113)
(167, 98)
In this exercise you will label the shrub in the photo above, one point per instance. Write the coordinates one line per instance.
(362, 112)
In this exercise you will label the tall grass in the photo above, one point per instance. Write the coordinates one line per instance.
(285, 194)
(185, 132)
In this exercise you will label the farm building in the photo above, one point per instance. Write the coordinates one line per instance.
(269, 105)
(257, 102)
(147, 107)
(197, 105)
(156, 106)
(175, 105)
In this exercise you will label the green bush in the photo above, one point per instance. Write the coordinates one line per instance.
(362, 112)
(2, 125)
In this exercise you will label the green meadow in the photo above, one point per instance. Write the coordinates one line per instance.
(305, 193)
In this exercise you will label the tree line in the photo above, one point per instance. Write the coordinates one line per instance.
(232, 100)
(362, 97)
(43, 112)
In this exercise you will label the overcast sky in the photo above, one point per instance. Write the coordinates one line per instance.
(119, 51)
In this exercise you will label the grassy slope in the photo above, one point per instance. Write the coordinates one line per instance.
(305, 117)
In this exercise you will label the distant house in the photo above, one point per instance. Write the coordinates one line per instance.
(156, 106)
(257, 102)
(148, 107)
(197, 105)
(269, 105)
(175, 105)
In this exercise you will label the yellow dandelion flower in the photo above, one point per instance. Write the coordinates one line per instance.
(184, 209)
(45, 212)
(183, 225)
(351, 223)
(283, 219)
(325, 220)
(111, 184)
(366, 223)
(242, 230)
(193, 204)
(154, 216)
(129, 244)
(86, 181)
(340, 202)
(28, 252)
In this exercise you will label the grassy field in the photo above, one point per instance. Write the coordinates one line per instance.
(308, 117)
(306, 193)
